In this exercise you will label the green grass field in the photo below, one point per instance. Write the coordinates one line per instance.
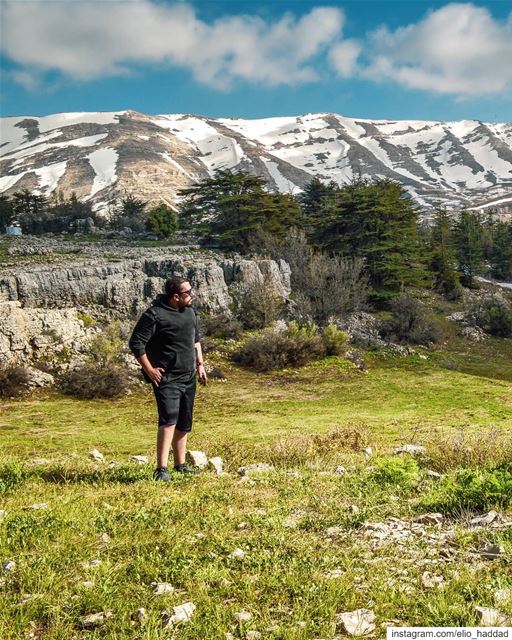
(309, 552)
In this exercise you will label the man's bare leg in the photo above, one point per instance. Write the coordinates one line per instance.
(164, 440)
(179, 446)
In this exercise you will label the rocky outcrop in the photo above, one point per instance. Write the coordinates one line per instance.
(40, 304)
(30, 333)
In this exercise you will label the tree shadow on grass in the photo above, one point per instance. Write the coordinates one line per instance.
(118, 475)
(12, 476)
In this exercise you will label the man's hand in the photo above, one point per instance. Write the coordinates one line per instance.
(201, 374)
(155, 374)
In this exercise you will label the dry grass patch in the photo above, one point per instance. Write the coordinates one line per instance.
(469, 449)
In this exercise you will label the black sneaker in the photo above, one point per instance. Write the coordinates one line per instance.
(161, 474)
(184, 468)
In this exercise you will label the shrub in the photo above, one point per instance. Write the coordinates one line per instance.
(106, 347)
(401, 471)
(257, 304)
(334, 340)
(275, 348)
(411, 323)
(493, 314)
(473, 489)
(13, 381)
(221, 326)
(94, 381)
(88, 320)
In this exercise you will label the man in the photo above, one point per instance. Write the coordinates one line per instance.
(165, 342)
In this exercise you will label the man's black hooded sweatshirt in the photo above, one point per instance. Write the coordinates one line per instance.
(167, 336)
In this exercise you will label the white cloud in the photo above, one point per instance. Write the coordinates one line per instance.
(343, 57)
(86, 40)
(458, 50)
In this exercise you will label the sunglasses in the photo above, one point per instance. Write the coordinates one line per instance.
(188, 292)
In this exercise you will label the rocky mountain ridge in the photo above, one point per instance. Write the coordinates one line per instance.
(102, 156)
(42, 305)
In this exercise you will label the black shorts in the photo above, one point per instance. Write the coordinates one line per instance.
(175, 400)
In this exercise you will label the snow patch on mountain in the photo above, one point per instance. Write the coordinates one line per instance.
(178, 166)
(104, 162)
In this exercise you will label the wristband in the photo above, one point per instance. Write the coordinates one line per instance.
(200, 364)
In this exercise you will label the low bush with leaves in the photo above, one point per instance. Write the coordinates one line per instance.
(95, 381)
(221, 326)
(335, 340)
(411, 323)
(400, 472)
(257, 303)
(493, 314)
(277, 347)
(472, 490)
(14, 381)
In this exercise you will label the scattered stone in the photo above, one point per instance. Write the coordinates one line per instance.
(490, 617)
(354, 509)
(476, 334)
(3, 514)
(492, 551)
(254, 469)
(112, 465)
(36, 462)
(368, 451)
(242, 525)
(339, 470)
(92, 564)
(243, 616)
(483, 520)
(96, 455)
(238, 554)
(333, 532)
(140, 459)
(358, 623)
(162, 588)
(430, 518)
(37, 506)
(140, 615)
(502, 596)
(229, 636)
(8, 567)
(95, 620)
(433, 474)
(197, 459)
(105, 539)
(87, 584)
(432, 580)
(253, 635)
(260, 512)
(217, 464)
(182, 613)
(37, 378)
(27, 597)
(333, 574)
(412, 449)
(291, 522)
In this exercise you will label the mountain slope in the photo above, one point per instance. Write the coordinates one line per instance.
(102, 156)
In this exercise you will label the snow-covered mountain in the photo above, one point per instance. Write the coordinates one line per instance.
(104, 155)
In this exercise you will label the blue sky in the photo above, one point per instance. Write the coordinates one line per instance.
(366, 58)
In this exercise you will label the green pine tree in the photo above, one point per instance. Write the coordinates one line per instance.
(501, 255)
(375, 220)
(163, 221)
(443, 261)
(231, 208)
(468, 235)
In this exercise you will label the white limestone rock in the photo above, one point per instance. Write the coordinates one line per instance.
(360, 622)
